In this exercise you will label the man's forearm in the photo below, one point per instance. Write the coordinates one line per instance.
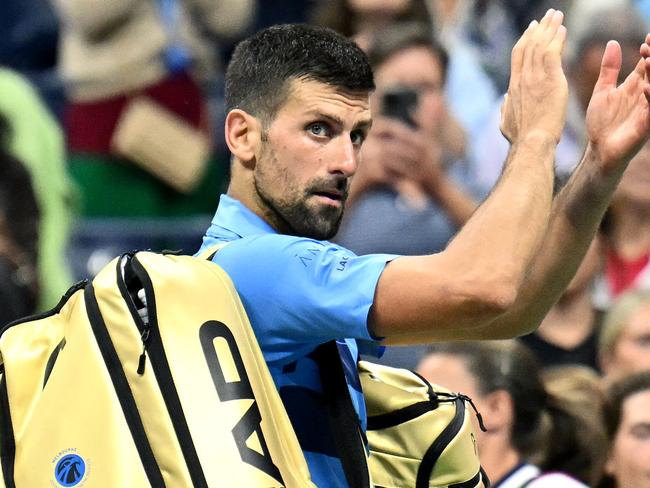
(576, 215)
(478, 276)
(510, 224)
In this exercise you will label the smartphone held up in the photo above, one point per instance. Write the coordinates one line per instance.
(400, 103)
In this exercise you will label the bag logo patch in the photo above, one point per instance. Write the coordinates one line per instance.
(70, 470)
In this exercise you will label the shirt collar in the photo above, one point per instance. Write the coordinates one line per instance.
(235, 218)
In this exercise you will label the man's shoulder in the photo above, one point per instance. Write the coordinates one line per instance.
(273, 253)
(279, 243)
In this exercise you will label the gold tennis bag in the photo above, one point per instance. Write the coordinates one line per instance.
(151, 376)
(420, 435)
(103, 392)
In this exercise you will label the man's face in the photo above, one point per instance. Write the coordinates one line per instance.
(629, 458)
(308, 154)
(420, 69)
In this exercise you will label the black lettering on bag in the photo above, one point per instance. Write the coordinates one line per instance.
(240, 389)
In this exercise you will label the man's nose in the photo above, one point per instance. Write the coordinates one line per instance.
(345, 160)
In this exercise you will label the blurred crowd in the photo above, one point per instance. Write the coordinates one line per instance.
(111, 139)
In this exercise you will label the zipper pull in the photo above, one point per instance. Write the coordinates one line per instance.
(143, 357)
(478, 414)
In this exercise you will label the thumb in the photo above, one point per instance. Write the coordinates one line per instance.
(610, 66)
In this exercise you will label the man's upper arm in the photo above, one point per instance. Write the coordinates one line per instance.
(300, 292)
(421, 299)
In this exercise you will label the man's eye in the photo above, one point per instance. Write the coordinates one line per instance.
(318, 129)
(357, 137)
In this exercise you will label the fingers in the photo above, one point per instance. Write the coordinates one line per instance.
(640, 76)
(610, 67)
(517, 59)
(549, 38)
(556, 45)
(538, 42)
(641, 69)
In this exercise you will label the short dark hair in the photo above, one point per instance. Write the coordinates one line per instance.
(404, 35)
(262, 65)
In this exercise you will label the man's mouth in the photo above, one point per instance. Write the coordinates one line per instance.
(332, 197)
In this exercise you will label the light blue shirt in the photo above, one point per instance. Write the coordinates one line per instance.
(300, 293)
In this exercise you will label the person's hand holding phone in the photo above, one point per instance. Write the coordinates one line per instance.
(394, 152)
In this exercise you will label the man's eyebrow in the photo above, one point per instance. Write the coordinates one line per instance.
(330, 118)
(363, 124)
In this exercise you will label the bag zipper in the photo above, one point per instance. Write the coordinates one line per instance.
(122, 389)
(134, 296)
(153, 347)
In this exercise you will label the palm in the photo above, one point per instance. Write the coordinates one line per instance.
(618, 118)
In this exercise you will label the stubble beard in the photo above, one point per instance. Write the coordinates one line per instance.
(291, 214)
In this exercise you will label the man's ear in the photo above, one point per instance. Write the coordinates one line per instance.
(243, 134)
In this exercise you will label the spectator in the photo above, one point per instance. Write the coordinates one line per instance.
(405, 186)
(114, 55)
(582, 394)
(363, 19)
(568, 335)
(625, 234)
(470, 90)
(36, 140)
(528, 429)
(624, 341)
(19, 219)
(28, 45)
(627, 418)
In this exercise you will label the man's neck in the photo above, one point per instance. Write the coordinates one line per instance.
(242, 190)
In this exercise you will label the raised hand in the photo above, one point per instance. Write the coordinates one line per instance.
(538, 91)
(618, 118)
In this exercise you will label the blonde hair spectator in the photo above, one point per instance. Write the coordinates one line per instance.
(624, 340)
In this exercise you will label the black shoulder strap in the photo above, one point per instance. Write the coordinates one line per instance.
(343, 418)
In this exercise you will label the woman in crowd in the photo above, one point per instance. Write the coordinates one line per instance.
(625, 233)
(624, 340)
(627, 417)
(531, 434)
